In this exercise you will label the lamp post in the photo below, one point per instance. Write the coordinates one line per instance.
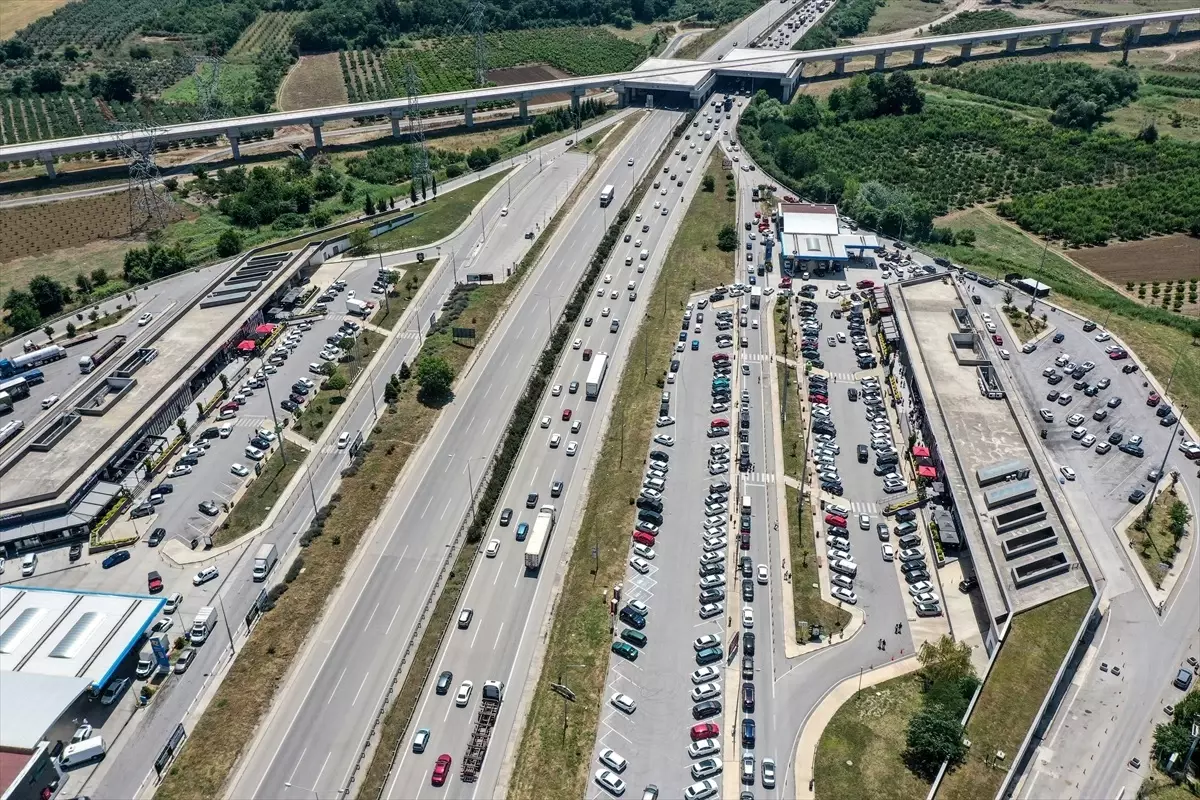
(1166, 450)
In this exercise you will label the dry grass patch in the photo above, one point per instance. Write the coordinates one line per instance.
(20, 13)
(1155, 543)
(314, 82)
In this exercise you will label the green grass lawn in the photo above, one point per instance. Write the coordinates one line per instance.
(236, 85)
(808, 606)
(1156, 545)
(262, 494)
(325, 404)
(1002, 248)
(863, 745)
(1177, 117)
(387, 316)
(1013, 692)
(440, 217)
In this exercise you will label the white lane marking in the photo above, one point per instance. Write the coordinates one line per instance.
(400, 560)
(317, 782)
(298, 763)
(421, 560)
(336, 685)
(393, 620)
(498, 632)
(449, 502)
(354, 702)
(427, 504)
(373, 610)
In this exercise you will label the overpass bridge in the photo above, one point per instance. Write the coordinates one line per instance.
(692, 80)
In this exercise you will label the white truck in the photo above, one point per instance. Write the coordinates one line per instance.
(264, 561)
(595, 378)
(358, 308)
(202, 625)
(535, 547)
(82, 752)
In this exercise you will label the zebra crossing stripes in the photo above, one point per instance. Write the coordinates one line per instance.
(759, 477)
(862, 507)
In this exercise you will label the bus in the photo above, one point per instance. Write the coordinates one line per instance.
(606, 195)
(17, 388)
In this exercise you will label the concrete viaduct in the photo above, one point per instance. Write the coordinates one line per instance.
(698, 77)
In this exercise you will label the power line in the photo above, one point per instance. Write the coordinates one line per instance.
(149, 209)
(416, 133)
(479, 26)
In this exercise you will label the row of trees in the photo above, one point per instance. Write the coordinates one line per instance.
(935, 733)
(848, 18)
(46, 297)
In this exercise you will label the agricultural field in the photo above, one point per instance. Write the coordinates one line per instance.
(314, 82)
(988, 20)
(271, 31)
(445, 65)
(902, 15)
(1151, 270)
(35, 229)
(235, 89)
(93, 25)
(24, 12)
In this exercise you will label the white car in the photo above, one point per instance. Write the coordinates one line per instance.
(610, 782)
(644, 551)
(639, 564)
(545, 423)
(1067, 472)
(710, 610)
(1004, 354)
(343, 440)
(464, 694)
(613, 760)
(845, 595)
(864, 521)
(578, 343)
(747, 617)
(705, 674)
(179, 470)
(493, 548)
(706, 691)
(706, 641)
(114, 690)
(704, 748)
(623, 702)
(664, 439)
(205, 575)
(888, 553)
(50, 401)
(608, 277)
(253, 453)
(663, 422)
(572, 448)
(556, 390)
(239, 469)
(604, 312)
(145, 319)
(920, 587)
(555, 440)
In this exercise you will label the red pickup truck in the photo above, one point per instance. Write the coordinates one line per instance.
(154, 583)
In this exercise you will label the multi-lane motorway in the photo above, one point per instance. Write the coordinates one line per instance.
(129, 762)
(321, 718)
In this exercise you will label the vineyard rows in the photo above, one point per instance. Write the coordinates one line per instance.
(447, 65)
(272, 30)
(95, 24)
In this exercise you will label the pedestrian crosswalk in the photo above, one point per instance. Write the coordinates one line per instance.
(757, 357)
(860, 507)
(759, 477)
(848, 377)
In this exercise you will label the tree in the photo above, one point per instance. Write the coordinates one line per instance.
(1076, 112)
(229, 243)
(70, 52)
(118, 85)
(404, 373)
(727, 238)
(45, 80)
(708, 184)
(412, 193)
(360, 241)
(1008, 297)
(83, 283)
(336, 383)
(369, 206)
(434, 377)
(1149, 133)
(71, 329)
(1128, 39)
(49, 331)
(433, 179)
(945, 660)
(48, 295)
(933, 737)
(99, 276)
(19, 85)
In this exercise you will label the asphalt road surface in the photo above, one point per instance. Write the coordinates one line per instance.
(127, 768)
(312, 740)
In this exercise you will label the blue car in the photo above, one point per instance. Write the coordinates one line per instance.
(695, 344)
(522, 531)
(116, 558)
(683, 336)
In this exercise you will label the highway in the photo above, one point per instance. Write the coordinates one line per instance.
(127, 768)
(529, 91)
(322, 716)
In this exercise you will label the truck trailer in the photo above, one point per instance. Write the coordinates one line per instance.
(101, 354)
(489, 708)
(264, 561)
(15, 366)
(543, 525)
(595, 378)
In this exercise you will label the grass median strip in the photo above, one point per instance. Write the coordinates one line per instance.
(399, 716)
(809, 608)
(551, 756)
(1157, 541)
(339, 379)
(230, 721)
(1029, 658)
(262, 493)
(388, 314)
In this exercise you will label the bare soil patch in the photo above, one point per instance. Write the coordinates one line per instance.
(1167, 258)
(46, 227)
(314, 81)
(529, 74)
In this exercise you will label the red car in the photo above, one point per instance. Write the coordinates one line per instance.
(745, 541)
(834, 519)
(587, 354)
(641, 537)
(1153, 399)
(719, 357)
(996, 338)
(720, 422)
(785, 282)
(757, 214)
(1117, 355)
(566, 414)
(705, 730)
(865, 283)
(441, 769)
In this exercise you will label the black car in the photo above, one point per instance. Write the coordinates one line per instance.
(531, 500)
(912, 566)
(862, 454)
(189, 461)
(748, 591)
(300, 389)
(506, 516)
(165, 488)
(748, 732)
(573, 387)
(1058, 337)
(1053, 395)
(748, 697)
(209, 507)
(916, 575)
(650, 515)
(832, 487)
(659, 455)
(1128, 368)
(141, 510)
(709, 708)
(1168, 420)
(968, 583)
(210, 433)
(711, 596)
(650, 504)
(632, 618)
(76, 552)
(260, 443)
(1137, 496)
(156, 536)
(444, 681)
(1132, 449)
(748, 643)
(906, 515)
(119, 557)
(288, 405)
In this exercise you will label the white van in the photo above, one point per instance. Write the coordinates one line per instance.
(629, 259)
(92, 749)
(746, 504)
(645, 254)
(844, 566)
(657, 484)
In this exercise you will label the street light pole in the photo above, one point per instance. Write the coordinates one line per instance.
(1171, 441)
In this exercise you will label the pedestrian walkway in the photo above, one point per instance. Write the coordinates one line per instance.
(759, 477)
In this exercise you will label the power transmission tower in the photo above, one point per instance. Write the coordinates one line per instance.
(416, 133)
(149, 209)
(207, 101)
(477, 25)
